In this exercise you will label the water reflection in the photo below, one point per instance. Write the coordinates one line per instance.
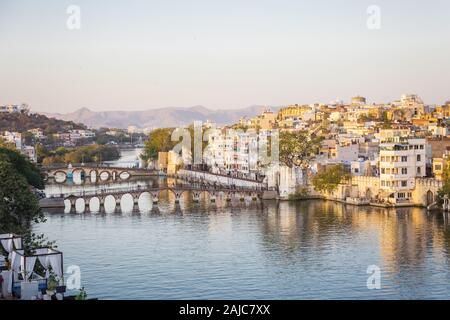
(248, 250)
(258, 250)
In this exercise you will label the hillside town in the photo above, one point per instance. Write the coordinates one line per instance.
(43, 139)
(395, 153)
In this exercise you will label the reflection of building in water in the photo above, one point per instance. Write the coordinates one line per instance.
(402, 237)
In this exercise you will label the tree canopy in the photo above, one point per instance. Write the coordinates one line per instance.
(21, 122)
(91, 153)
(159, 140)
(328, 180)
(23, 166)
(18, 206)
(298, 148)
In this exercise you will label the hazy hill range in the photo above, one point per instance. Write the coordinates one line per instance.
(158, 118)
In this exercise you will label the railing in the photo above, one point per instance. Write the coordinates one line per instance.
(92, 165)
(181, 187)
(235, 175)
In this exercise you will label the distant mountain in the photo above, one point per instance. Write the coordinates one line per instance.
(22, 122)
(157, 118)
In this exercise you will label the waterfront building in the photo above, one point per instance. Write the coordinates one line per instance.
(231, 150)
(402, 159)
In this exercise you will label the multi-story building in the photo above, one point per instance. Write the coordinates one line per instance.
(293, 111)
(15, 108)
(402, 159)
(235, 150)
(14, 138)
(266, 120)
(38, 133)
(30, 152)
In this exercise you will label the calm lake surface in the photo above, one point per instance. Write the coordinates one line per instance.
(263, 250)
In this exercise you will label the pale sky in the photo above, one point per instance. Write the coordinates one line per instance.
(135, 55)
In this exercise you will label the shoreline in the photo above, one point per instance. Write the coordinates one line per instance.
(56, 203)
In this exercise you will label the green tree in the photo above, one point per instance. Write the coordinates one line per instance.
(18, 206)
(445, 190)
(92, 153)
(41, 152)
(159, 140)
(23, 166)
(298, 148)
(328, 180)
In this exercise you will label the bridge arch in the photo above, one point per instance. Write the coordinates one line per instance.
(178, 193)
(127, 202)
(109, 203)
(93, 175)
(79, 176)
(124, 175)
(80, 205)
(430, 197)
(94, 204)
(60, 176)
(104, 175)
(368, 194)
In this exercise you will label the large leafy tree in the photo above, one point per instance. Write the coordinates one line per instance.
(297, 148)
(23, 166)
(328, 180)
(18, 204)
(445, 190)
(159, 140)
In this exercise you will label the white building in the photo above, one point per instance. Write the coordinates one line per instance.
(38, 133)
(15, 108)
(13, 137)
(30, 152)
(234, 150)
(438, 130)
(401, 161)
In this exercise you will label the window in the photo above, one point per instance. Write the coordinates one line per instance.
(383, 159)
(401, 195)
(421, 147)
(383, 183)
(437, 167)
(418, 157)
(404, 183)
(383, 171)
(356, 170)
(409, 195)
(419, 170)
(404, 170)
(404, 158)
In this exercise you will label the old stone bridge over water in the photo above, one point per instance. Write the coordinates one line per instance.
(213, 191)
(93, 173)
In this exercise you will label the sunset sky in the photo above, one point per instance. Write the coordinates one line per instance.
(134, 55)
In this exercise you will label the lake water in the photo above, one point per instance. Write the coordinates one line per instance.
(263, 250)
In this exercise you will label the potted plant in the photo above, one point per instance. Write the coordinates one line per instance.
(52, 283)
(82, 295)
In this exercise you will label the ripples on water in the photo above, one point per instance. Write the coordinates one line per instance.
(286, 250)
(270, 250)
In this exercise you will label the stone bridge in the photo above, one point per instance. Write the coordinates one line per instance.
(177, 190)
(59, 174)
